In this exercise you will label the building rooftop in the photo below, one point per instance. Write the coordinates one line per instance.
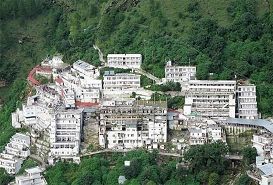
(36, 169)
(152, 103)
(124, 55)
(20, 136)
(254, 122)
(212, 82)
(266, 169)
(83, 65)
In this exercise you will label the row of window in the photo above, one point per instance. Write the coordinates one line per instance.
(180, 69)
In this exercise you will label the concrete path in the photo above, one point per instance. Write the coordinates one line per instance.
(103, 63)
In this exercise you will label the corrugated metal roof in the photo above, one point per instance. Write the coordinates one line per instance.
(254, 122)
(266, 169)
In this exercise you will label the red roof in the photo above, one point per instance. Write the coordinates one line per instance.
(59, 80)
(31, 77)
(86, 104)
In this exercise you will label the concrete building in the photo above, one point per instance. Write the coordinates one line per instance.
(86, 70)
(17, 118)
(32, 176)
(65, 133)
(19, 146)
(179, 74)
(215, 133)
(126, 61)
(131, 124)
(210, 98)
(10, 163)
(264, 144)
(198, 136)
(263, 174)
(120, 81)
(246, 102)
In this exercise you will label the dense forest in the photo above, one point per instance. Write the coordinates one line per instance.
(224, 39)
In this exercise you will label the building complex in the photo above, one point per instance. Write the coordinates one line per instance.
(15, 152)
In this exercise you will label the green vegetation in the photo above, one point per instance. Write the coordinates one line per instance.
(169, 86)
(243, 180)
(176, 102)
(145, 168)
(4, 177)
(28, 163)
(249, 155)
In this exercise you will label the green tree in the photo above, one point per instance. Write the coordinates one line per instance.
(4, 177)
(249, 155)
(208, 157)
(214, 179)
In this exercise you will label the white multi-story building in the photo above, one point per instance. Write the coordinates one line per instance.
(263, 144)
(126, 61)
(65, 133)
(246, 102)
(82, 90)
(19, 145)
(33, 176)
(10, 163)
(131, 124)
(56, 61)
(206, 133)
(179, 74)
(210, 98)
(86, 70)
(198, 136)
(215, 133)
(120, 81)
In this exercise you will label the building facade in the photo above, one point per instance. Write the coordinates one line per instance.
(179, 74)
(246, 102)
(65, 133)
(210, 98)
(120, 81)
(10, 163)
(132, 124)
(125, 61)
(32, 176)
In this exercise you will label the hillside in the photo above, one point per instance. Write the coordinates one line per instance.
(228, 39)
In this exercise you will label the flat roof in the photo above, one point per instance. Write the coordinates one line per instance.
(36, 169)
(124, 55)
(84, 65)
(254, 122)
(112, 73)
(212, 81)
(21, 136)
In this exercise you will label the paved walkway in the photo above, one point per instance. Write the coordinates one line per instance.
(149, 75)
(100, 55)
